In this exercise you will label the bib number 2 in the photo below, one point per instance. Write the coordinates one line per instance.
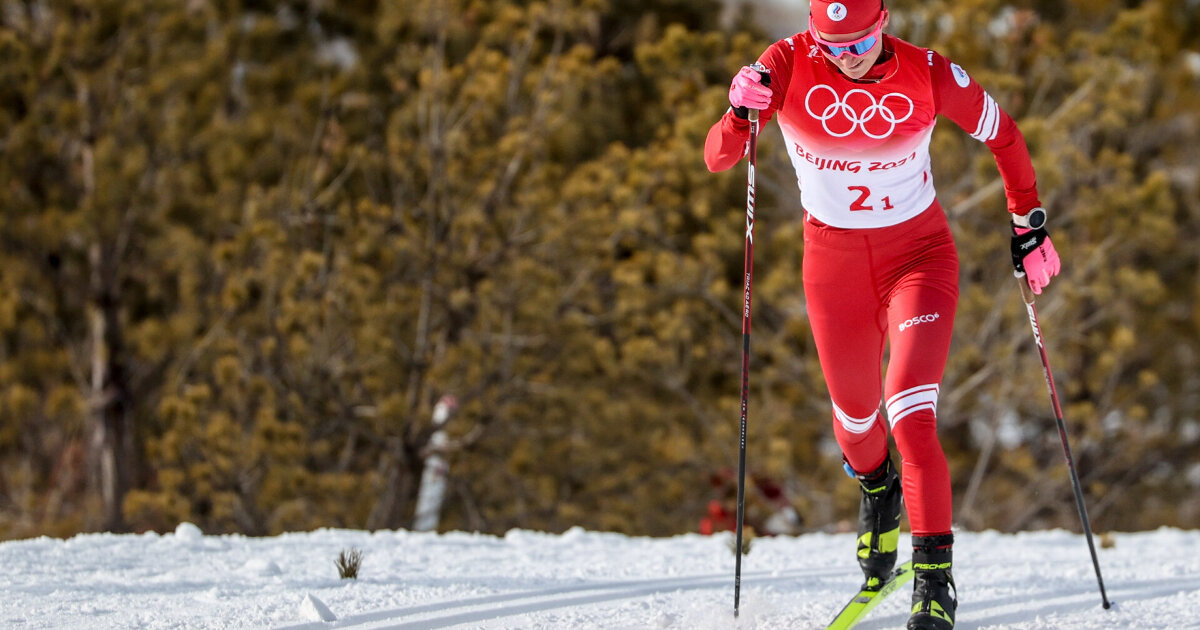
(864, 195)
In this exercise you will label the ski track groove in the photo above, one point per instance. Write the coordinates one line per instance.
(1014, 611)
(607, 591)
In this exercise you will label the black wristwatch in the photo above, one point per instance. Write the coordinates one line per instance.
(1035, 219)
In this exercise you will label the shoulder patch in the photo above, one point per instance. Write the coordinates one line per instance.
(791, 44)
(929, 55)
(960, 75)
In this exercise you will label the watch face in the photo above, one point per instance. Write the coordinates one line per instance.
(1037, 218)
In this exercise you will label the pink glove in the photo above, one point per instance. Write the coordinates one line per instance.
(748, 91)
(1034, 253)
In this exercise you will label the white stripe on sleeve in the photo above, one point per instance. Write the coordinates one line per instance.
(989, 120)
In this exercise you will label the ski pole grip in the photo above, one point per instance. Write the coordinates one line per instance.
(764, 75)
(1026, 291)
(764, 78)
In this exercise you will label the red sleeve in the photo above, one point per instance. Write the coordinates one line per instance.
(728, 139)
(961, 99)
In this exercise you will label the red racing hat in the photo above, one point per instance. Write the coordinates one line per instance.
(842, 17)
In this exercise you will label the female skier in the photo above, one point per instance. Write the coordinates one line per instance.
(857, 109)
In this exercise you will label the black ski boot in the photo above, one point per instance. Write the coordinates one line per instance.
(934, 597)
(878, 523)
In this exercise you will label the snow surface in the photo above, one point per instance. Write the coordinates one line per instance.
(578, 579)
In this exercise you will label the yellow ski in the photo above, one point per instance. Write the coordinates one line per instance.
(866, 601)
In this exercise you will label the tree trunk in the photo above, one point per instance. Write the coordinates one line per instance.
(112, 444)
(111, 448)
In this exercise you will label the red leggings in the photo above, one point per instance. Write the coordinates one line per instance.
(897, 285)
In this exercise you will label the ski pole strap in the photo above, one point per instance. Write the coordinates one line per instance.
(1023, 244)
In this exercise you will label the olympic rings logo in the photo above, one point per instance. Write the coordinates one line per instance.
(858, 109)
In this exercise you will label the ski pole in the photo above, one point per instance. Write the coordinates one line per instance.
(1027, 296)
(749, 277)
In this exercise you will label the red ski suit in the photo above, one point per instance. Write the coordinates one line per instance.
(880, 264)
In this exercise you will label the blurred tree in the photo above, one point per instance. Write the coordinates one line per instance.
(84, 162)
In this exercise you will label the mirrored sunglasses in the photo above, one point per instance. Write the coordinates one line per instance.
(856, 48)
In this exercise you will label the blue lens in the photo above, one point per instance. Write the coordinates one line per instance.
(857, 50)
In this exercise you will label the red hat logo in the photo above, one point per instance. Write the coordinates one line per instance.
(836, 12)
